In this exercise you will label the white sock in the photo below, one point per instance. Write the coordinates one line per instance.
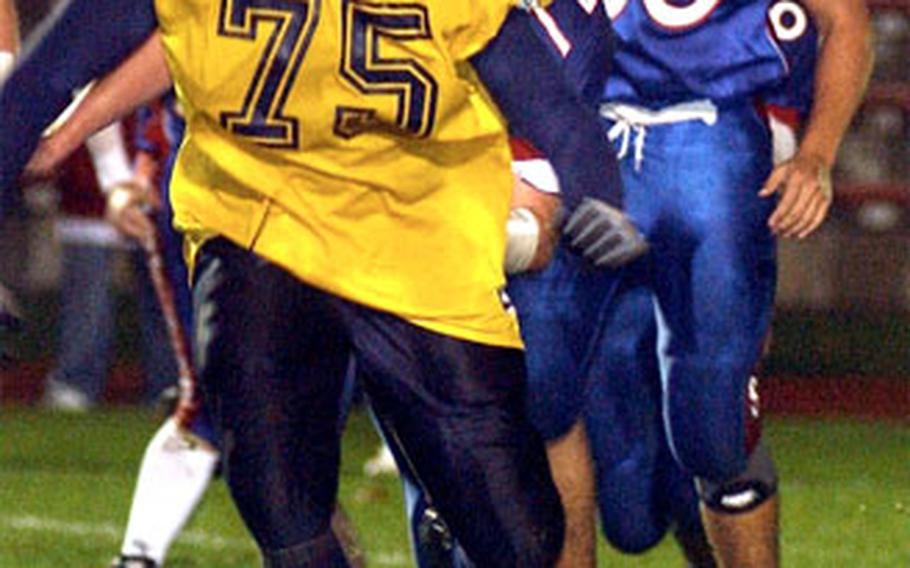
(174, 474)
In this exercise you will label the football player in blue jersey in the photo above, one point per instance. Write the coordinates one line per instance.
(671, 342)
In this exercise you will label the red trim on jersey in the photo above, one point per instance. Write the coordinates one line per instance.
(524, 150)
(787, 115)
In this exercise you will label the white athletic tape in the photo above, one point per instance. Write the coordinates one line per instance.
(523, 234)
(107, 148)
(7, 60)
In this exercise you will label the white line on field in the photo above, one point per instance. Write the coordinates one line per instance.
(111, 531)
(194, 537)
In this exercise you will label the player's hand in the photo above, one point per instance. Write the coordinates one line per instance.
(46, 160)
(532, 228)
(604, 234)
(127, 210)
(804, 186)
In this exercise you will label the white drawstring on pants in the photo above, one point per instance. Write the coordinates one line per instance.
(632, 121)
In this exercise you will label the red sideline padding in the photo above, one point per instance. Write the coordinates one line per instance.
(892, 4)
(857, 397)
(894, 94)
(852, 195)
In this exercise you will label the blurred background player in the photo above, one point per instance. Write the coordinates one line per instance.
(173, 467)
(90, 246)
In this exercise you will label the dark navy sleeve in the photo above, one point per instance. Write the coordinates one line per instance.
(529, 85)
(80, 41)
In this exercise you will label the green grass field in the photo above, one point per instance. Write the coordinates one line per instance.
(66, 481)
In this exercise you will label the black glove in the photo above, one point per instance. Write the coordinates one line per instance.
(604, 234)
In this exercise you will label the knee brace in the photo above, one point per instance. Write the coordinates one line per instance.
(745, 492)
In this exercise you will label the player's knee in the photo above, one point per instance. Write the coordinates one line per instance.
(630, 520)
(633, 534)
(707, 417)
(744, 492)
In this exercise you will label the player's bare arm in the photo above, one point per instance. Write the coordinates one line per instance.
(140, 79)
(9, 36)
(143, 77)
(9, 27)
(842, 73)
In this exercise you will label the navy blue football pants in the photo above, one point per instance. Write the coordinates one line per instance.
(272, 354)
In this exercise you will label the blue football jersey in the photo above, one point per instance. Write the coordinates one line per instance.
(671, 51)
(794, 33)
(579, 34)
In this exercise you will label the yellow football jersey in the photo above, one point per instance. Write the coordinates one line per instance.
(349, 142)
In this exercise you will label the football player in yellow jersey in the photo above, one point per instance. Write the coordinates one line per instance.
(302, 184)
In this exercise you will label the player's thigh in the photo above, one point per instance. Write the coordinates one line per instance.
(623, 418)
(560, 310)
(714, 280)
(271, 355)
(458, 409)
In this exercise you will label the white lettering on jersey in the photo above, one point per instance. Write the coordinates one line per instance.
(589, 5)
(668, 15)
(789, 20)
(615, 7)
(753, 397)
(676, 17)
